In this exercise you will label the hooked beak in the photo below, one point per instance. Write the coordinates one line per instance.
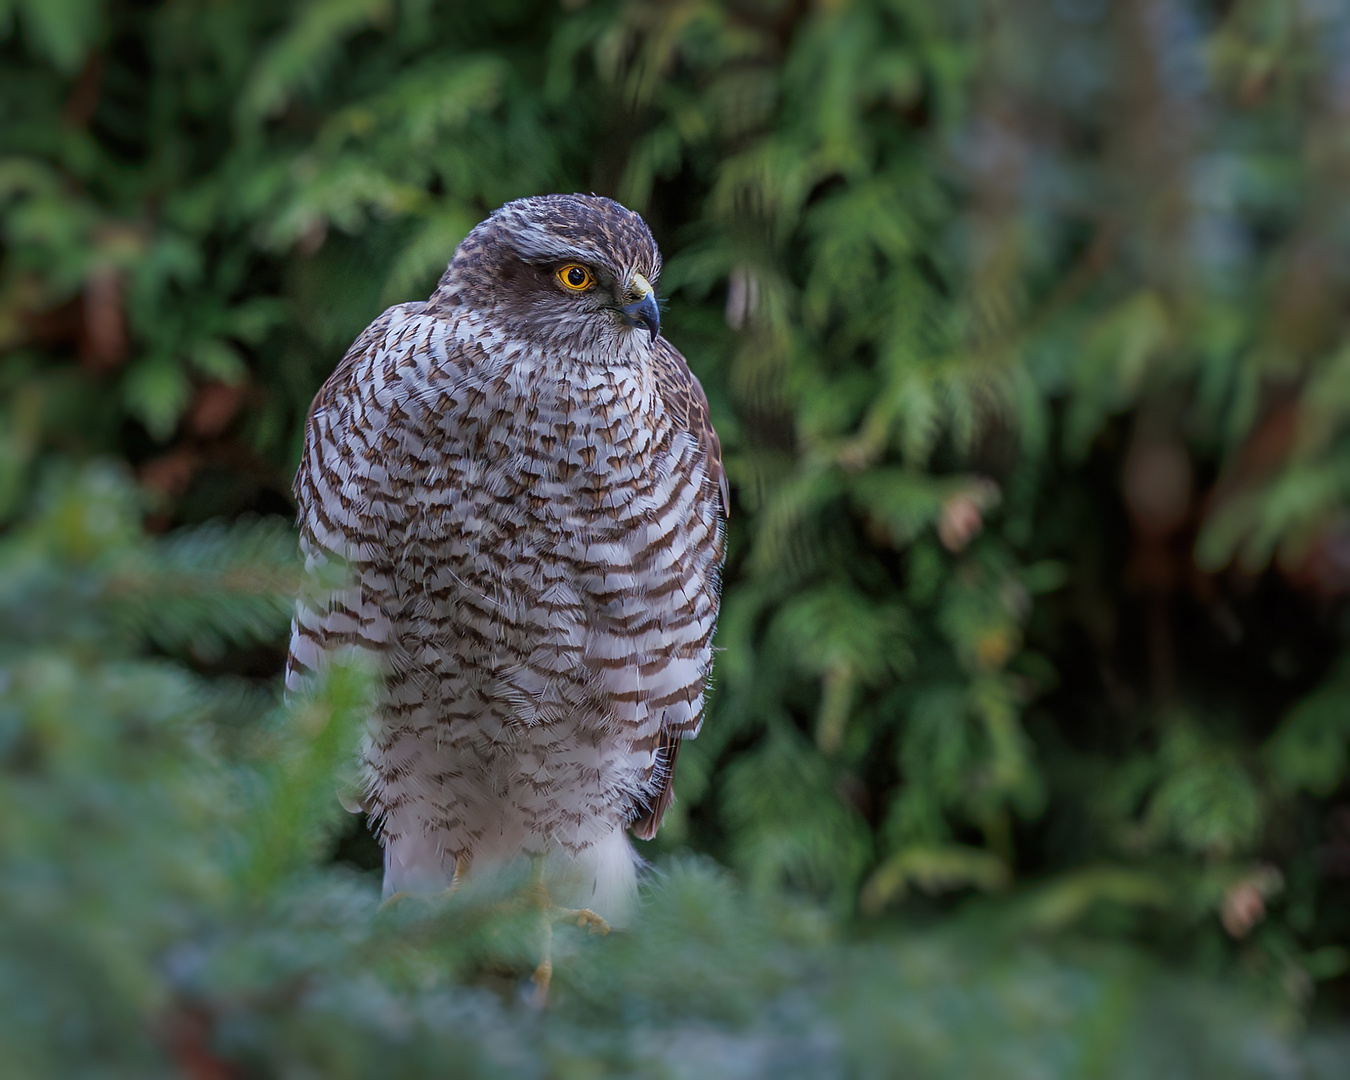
(643, 311)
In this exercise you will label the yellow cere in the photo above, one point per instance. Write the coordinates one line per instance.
(575, 276)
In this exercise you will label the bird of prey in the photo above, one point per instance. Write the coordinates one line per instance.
(522, 479)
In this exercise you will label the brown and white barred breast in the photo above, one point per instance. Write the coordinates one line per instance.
(533, 522)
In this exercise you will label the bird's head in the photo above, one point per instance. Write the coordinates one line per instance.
(568, 268)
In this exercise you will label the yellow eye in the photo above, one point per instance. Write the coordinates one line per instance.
(575, 276)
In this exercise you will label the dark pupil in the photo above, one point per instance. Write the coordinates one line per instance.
(576, 277)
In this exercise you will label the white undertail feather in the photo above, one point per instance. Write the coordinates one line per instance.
(601, 877)
(530, 499)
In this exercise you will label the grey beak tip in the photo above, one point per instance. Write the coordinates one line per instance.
(644, 312)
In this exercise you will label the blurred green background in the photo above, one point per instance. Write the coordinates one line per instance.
(1026, 328)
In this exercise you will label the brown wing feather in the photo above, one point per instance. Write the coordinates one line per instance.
(684, 398)
(338, 382)
(648, 818)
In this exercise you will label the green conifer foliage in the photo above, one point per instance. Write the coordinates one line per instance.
(1024, 326)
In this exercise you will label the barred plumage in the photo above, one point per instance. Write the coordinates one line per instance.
(524, 481)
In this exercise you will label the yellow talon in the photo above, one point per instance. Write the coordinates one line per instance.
(586, 919)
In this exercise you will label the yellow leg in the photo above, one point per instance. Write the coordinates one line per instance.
(548, 915)
(543, 974)
(461, 870)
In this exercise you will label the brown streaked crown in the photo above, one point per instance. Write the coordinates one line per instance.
(547, 229)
